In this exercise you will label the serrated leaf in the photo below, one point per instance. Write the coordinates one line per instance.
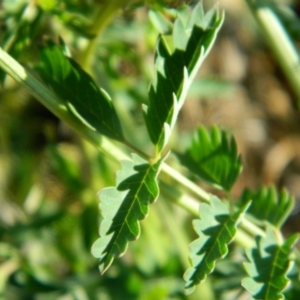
(268, 267)
(269, 205)
(160, 22)
(123, 206)
(213, 157)
(216, 229)
(77, 89)
(175, 71)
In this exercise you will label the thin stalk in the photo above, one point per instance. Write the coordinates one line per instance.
(105, 13)
(244, 239)
(251, 228)
(188, 203)
(185, 182)
(37, 89)
(279, 42)
(245, 231)
(172, 173)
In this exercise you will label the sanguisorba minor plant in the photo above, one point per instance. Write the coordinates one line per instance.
(253, 223)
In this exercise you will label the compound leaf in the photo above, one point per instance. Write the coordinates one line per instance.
(216, 229)
(77, 89)
(213, 157)
(123, 206)
(176, 69)
(268, 267)
(159, 21)
(269, 205)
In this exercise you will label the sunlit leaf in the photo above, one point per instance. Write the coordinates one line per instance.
(161, 24)
(216, 228)
(268, 267)
(77, 89)
(269, 205)
(123, 206)
(213, 157)
(175, 70)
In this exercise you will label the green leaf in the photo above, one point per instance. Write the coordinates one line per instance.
(176, 70)
(160, 22)
(268, 267)
(216, 228)
(123, 206)
(213, 157)
(77, 89)
(19, 29)
(269, 205)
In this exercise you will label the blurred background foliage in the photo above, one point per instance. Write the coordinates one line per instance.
(49, 177)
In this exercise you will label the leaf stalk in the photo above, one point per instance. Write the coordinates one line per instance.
(105, 13)
(279, 42)
(41, 92)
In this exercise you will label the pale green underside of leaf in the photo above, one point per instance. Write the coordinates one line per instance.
(216, 229)
(123, 207)
(213, 157)
(79, 92)
(161, 24)
(269, 205)
(176, 69)
(268, 267)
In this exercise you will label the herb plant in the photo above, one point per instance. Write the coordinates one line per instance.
(243, 235)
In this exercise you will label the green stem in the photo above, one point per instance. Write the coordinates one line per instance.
(57, 107)
(105, 13)
(183, 181)
(37, 89)
(245, 232)
(251, 228)
(279, 42)
(188, 203)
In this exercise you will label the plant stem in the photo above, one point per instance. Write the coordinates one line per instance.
(279, 42)
(105, 13)
(251, 228)
(187, 202)
(183, 181)
(245, 232)
(37, 89)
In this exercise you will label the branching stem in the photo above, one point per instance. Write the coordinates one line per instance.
(37, 89)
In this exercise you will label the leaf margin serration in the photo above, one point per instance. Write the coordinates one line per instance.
(264, 245)
(160, 119)
(209, 212)
(102, 247)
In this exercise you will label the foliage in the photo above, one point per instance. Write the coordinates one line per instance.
(81, 94)
(268, 267)
(213, 157)
(269, 205)
(216, 228)
(122, 207)
(176, 69)
(49, 178)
